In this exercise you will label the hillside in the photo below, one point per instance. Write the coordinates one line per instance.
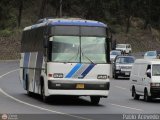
(141, 40)
(10, 47)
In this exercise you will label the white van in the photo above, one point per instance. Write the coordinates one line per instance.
(125, 48)
(145, 79)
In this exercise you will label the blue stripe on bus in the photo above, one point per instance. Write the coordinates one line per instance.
(87, 70)
(76, 23)
(80, 23)
(26, 59)
(25, 65)
(74, 69)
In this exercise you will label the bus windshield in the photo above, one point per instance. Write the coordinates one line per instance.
(75, 49)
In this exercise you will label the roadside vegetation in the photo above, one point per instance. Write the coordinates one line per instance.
(132, 21)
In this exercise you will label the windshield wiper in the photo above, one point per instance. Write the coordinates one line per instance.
(71, 58)
(87, 58)
(75, 56)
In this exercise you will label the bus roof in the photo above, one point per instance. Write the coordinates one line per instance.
(66, 22)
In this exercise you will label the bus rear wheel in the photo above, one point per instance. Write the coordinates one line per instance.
(95, 100)
(27, 86)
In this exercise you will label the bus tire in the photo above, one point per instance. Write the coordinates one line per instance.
(27, 86)
(44, 97)
(115, 76)
(95, 100)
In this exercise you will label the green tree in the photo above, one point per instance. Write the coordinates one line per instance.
(7, 18)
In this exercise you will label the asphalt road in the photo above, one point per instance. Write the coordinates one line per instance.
(14, 100)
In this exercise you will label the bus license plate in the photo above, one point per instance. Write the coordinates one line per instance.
(126, 73)
(79, 86)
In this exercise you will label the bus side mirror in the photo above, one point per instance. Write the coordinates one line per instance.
(45, 41)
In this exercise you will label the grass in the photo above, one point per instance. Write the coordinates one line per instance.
(140, 40)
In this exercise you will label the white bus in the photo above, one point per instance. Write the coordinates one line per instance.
(66, 57)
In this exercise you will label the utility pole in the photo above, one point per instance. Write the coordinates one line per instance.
(60, 8)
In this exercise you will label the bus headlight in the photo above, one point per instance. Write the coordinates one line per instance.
(58, 75)
(102, 76)
(118, 67)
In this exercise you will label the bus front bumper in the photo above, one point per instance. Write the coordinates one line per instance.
(79, 89)
(101, 93)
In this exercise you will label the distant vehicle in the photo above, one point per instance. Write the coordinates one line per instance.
(145, 79)
(66, 57)
(122, 66)
(152, 55)
(125, 48)
(113, 54)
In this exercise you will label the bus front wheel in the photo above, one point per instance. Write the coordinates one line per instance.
(44, 97)
(95, 100)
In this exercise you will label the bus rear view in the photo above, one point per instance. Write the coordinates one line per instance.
(75, 60)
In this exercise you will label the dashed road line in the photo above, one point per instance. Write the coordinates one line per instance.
(8, 73)
(126, 107)
(121, 87)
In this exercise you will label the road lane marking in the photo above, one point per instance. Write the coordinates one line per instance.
(121, 87)
(31, 105)
(8, 73)
(126, 107)
(41, 108)
(122, 105)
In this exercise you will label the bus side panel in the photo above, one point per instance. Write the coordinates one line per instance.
(38, 69)
(43, 74)
(21, 72)
(24, 67)
(32, 49)
(32, 66)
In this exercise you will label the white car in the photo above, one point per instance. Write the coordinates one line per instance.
(152, 54)
(145, 79)
(122, 66)
(125, 48)
(113, 54)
